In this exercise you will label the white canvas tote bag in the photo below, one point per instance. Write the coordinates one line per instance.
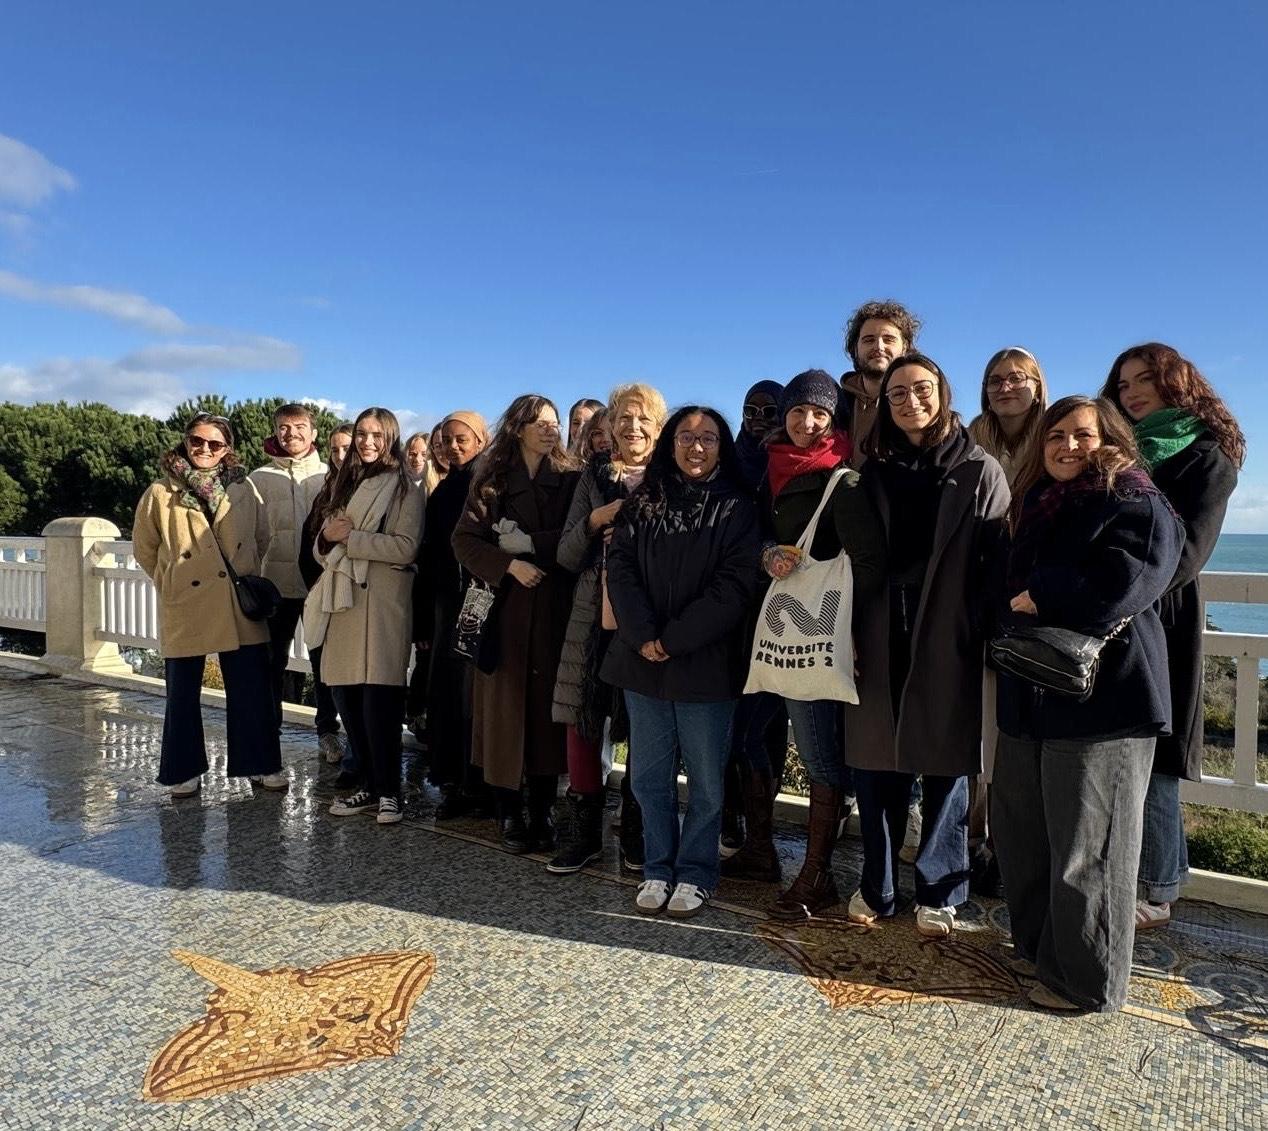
(803, 648)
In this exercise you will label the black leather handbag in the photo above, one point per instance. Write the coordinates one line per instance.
(1055, 659)
(258, 597)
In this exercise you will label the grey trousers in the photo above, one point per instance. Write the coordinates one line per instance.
(1066, 818)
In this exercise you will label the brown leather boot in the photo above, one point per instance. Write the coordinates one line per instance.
(757, 859)
(815, 888)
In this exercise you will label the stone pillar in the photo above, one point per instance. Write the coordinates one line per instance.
(72, 604)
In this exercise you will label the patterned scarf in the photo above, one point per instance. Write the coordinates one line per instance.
(204, 489)
(1166, 433)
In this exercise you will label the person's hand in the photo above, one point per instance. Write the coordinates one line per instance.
(603, 516)
(780, 561)
(1023, 604)
(527, 574)
(337, 528)
(654, 651)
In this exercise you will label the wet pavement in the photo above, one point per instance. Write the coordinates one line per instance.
(408, 977)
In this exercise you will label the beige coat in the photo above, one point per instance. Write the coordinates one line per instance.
(370, 640)
(287, 488)
(198, 609)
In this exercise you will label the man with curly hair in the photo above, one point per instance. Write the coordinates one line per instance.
(876, 333)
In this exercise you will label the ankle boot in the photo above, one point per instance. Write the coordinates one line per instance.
(630, 835)
(758, 859)
(815, 888)
(580, 827)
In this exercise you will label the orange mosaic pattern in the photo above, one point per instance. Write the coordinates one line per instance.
(280, 1022)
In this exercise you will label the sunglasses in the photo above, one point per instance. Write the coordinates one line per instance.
(213, 446)
(761, 411)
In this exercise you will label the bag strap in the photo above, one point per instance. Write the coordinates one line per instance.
(812, 527)
(211, 527)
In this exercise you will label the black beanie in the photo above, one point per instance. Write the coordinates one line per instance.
(815, 387)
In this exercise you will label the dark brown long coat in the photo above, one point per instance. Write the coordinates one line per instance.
(512, 731)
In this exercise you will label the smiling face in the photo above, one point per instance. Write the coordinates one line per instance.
(1069, 442)
(460, 444)
(416, 457)
(806, 424)
(340, 442)
(578, 419)
(295, 435)
(1138, 389)
(635, 432)
(696, 445)
(206, 446)
(369, 439)
(539, 437)
(760, 415)
(879, 343)
(914, 400)
(600, 438)
(1010, 391)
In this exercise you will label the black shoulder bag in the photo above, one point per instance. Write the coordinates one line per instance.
(1054, 659)
(258, 597)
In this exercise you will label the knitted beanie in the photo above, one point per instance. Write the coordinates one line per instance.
(815, 387)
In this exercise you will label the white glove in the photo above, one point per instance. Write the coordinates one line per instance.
(511, 539)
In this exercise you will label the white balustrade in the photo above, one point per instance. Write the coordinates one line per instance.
(22, 583)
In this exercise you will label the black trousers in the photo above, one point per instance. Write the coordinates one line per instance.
(371, 714)
(327, 712)
(281, 633)
(253, 744)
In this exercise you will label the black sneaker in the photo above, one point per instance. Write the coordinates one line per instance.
(580, 825)
(359, 802)
(453, 804)
(390, 811)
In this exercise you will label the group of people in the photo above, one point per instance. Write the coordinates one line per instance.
(559, 597)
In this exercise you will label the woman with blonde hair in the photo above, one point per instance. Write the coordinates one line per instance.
(1014, 396)
(508, 538)
(1193, 448)
(358, 613)
(583, 702)
(193, 529)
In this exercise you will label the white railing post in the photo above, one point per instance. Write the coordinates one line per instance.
(73, 598)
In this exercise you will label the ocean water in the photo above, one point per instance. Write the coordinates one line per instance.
(1240, 553)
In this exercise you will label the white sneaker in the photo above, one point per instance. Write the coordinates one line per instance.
(390, 811)
(652, 896)
(359, 802)
(859, 911)
(187, 788)
(911, 839)
(687, 900)
(278, 781)
(936, 922)
(331, 748)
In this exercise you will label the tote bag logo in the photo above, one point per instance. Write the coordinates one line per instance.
(822, 625)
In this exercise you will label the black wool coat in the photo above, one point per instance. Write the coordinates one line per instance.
(1101, 559)
(687, 578)
(1197, 482)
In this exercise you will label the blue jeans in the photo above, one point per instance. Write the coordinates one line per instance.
(817, 728)
(942, 865)
(662, 731)
(1164, 852)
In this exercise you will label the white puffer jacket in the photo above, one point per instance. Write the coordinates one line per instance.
(286, 487)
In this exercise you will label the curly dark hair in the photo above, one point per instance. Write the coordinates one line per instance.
(1181, 385)
(649, 499)
(888, 310)
(887, 438)
(493, 468)
(220, 423)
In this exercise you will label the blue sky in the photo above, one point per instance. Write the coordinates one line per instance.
(433, 206)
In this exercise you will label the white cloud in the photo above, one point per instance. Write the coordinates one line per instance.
(93, 379)
(411, 422)
(258, 353)
(27, 177)
(122, 306)
(335, 408)
(1247, 510)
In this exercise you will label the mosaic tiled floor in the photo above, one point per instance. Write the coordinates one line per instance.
(550, 1002)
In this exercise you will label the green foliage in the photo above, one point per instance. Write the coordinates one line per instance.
(1229, 842)
(90, 459)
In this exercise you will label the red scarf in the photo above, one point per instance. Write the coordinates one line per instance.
(787, 461)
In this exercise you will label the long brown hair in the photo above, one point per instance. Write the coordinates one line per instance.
(1116, 454)
(353, 472)
(494, 467)
(986, 428)
(332, 472)
(1181, 385)
(220, 423)
(887, 438)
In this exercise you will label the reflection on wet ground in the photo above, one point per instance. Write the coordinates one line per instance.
(503, 996)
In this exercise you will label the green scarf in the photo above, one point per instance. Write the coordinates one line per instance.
(204, 490)
(1164, 433)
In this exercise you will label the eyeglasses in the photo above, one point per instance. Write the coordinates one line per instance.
(921, 390)
(707, 440)
(764, 411)
(1008, 380)
(197, 442)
